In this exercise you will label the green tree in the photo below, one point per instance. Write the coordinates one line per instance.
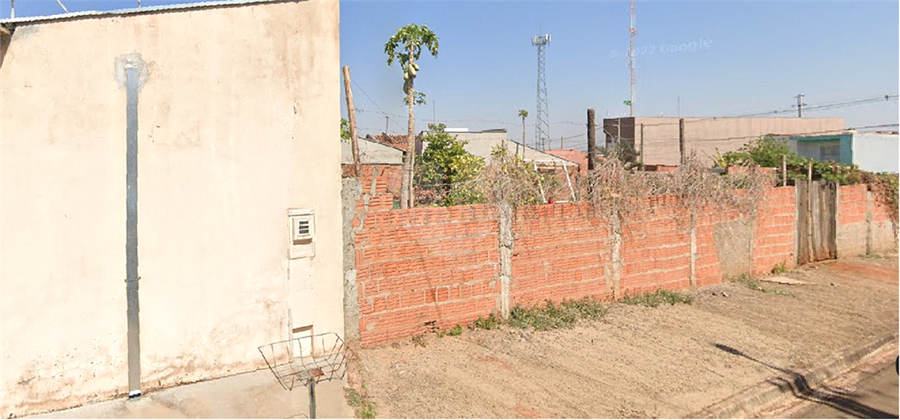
(345, 130)
(405, 47)
(447, 173)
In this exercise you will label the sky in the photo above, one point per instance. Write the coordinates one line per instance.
(693, 59)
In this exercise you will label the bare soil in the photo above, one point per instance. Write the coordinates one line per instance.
(637, 361)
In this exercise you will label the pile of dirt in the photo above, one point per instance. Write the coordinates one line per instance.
(638, 361)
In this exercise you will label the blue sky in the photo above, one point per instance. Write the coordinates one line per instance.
(720, 57)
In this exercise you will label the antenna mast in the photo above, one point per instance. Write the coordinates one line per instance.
(542, 125)
(631, 31)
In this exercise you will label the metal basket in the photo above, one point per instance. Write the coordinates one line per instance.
(305, 360)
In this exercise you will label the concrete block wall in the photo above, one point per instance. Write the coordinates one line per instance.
(423, 268)
(851, 221)
(560, 252)
(884, 230)
(863, 224)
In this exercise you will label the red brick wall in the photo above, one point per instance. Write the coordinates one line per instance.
(387, 185)
(656, 246)
(560, 253)
(426, 264)
(774, 233)
(852, 204)
(442, 264)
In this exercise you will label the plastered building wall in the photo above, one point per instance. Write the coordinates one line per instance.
(707, 136)
(233, 116)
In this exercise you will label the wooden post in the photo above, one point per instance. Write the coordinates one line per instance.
(592, 138)
(811, 252)
(642, 147)
(681, 139)
(351, 115)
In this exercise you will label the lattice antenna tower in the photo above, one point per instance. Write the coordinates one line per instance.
(542, 123)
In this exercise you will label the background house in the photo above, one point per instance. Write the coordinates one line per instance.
(234, 129)
(705, 136)
(875, 152)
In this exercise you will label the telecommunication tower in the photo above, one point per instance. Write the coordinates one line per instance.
(542, 124)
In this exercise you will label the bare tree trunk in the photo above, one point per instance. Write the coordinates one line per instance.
(523, 137)
(407, 198)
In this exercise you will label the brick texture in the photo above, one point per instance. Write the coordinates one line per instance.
(427, 268)
(560, 252)
(774, 233)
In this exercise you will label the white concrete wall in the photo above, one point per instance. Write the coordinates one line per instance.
(876, 152)
(237, 123)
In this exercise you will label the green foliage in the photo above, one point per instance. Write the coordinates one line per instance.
(418, 99)
(446, 172)
(780, 268)
(487, 323)
(657, 298)
(455, 331)
(362, 406)
(552, 316)
(767, 151)
(510, 179)
(405, 47)
(523, 113)
(345, 130)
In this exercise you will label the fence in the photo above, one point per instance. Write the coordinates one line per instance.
(427, 269)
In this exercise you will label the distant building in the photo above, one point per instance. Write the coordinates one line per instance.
(705, 136)
(575, 156)
(876, 152)
(481, 143)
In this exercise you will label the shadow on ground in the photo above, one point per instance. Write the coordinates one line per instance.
(836, 398)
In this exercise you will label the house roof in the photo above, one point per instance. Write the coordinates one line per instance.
(133, 11)
(571, 155)
(397, 141)
(371, 153)
(481, 143)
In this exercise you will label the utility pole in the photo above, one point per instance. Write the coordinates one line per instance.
(592, 138)
(679, 105)
(387, 121)
(800, 105)
(351, 115)
(12, 9)
(561, 139)
(681, 139)
(631, 32)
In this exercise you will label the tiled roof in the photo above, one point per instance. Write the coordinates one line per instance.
(576, 156)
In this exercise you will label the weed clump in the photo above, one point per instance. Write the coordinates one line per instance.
(362, 406)
(657, 298)
(552, 316)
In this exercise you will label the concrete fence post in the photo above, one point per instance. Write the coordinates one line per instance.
(615, 234)
(693, 247)
(507, 241)
(350, 193)
(870, 233)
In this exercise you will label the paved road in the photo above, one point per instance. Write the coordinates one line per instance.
(868, 392)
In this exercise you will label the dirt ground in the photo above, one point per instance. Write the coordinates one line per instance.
(637, 361)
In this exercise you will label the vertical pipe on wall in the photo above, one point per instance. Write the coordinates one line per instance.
(131, 251)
